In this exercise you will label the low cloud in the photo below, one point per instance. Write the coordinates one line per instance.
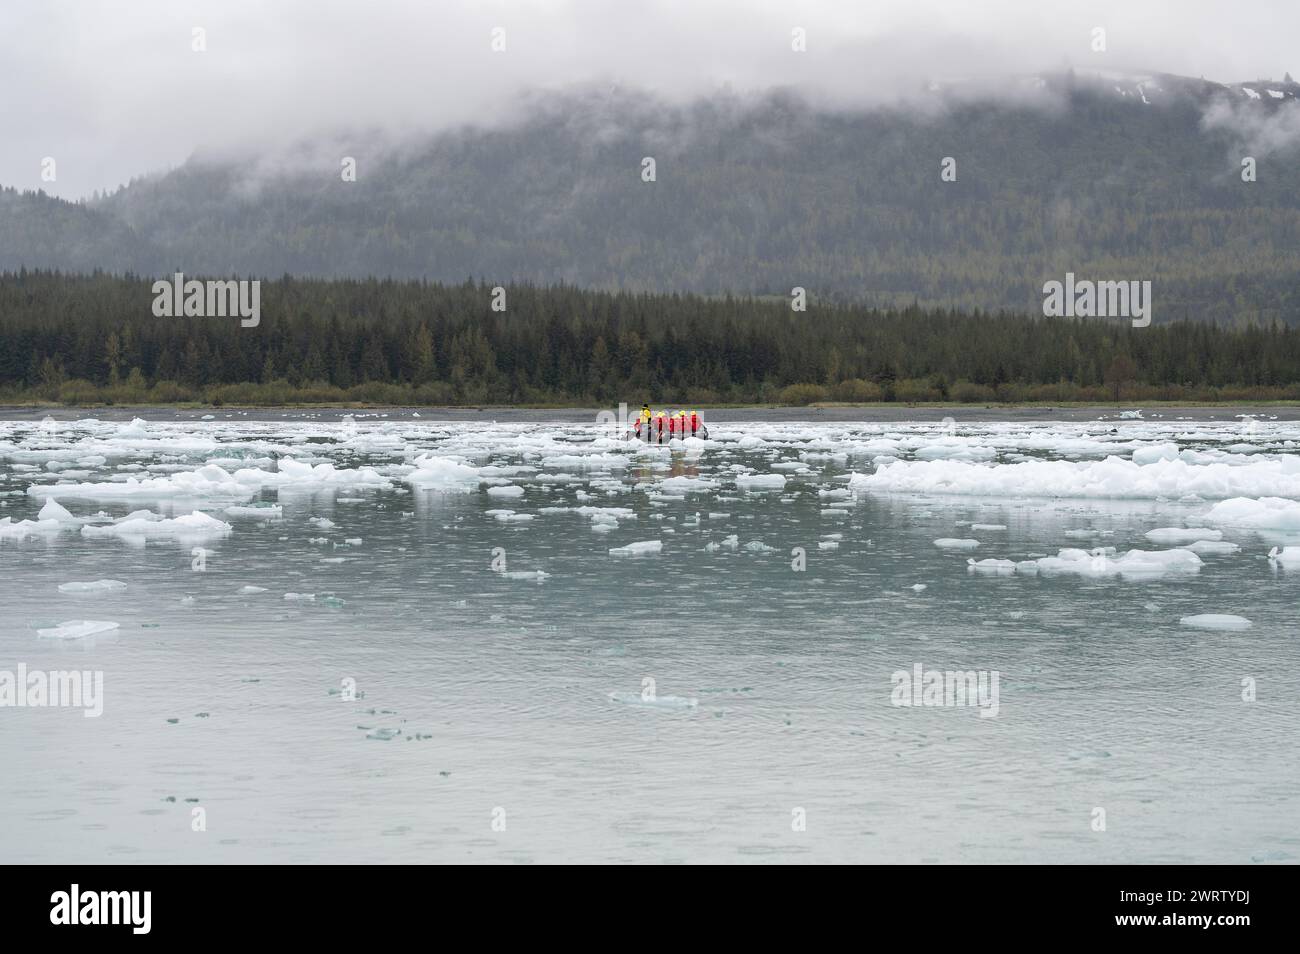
(113, 88)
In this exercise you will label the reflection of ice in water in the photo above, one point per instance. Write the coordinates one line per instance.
(523, 678)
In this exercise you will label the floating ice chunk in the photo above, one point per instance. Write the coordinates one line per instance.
(207, 481)
(301, 597)
(250, 590)
(834, 512)
(760, 481)
(731, 542)
(918, 587)
(510, 490)
(954, 543)
(144, 523)
(1151, 454)
(988, 526)
(1131, 415)
(1134, 563)
(509, 516)
(443, 473)
(94, 586)
(1219, 621)
(998, 567)
(758, 546)
(53, 510)
(1211, 546)
(353, 541)
(828, 544)
(635, 549)
(1287, 556)
(1166, 536)
(77, 629)
(537, 575)
(269, 511)
(27, 528)
(653, 701)
(719, 516)
(1112, 477)
(1264, 513)
(324, 523)
(955, 451)
(297, 475)
(684, 485)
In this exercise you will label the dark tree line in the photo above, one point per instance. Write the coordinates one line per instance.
(95, 338)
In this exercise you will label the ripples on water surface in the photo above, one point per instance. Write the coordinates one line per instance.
(495, 694)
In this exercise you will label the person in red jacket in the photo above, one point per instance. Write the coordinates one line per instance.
(672, 426)
(695, 422)
(659, 426)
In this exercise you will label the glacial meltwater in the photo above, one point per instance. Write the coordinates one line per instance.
(394, 638)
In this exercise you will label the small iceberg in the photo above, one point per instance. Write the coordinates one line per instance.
(77, 629)
(953, 543)
(635, 549)
(94, 586)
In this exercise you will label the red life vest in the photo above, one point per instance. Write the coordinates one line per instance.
(695, 422)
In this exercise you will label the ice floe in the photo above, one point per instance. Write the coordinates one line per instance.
(1111, 477)
(77, 629)
(1099, 563)
(956, 543)
(92, 586)
(639, 548)
(145, 523)
(1264, 513)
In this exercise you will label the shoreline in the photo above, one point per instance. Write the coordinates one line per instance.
(575, 415)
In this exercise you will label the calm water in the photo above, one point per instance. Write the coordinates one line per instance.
(489, 701)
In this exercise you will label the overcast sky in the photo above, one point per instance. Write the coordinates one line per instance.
(113, 88)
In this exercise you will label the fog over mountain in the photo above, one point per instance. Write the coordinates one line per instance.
(1103, 174)
(112, 89)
